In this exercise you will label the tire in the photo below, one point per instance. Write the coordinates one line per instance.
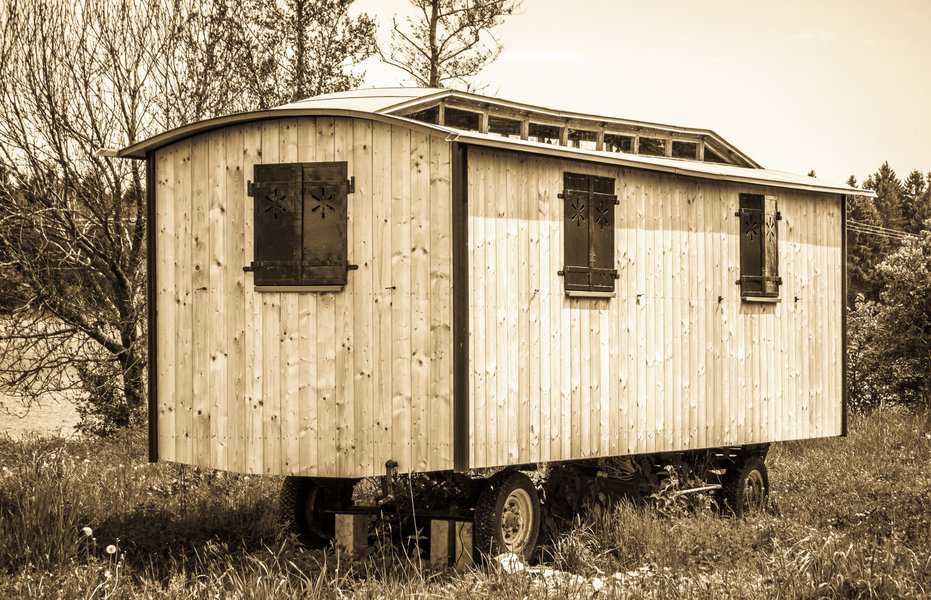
(507, 516)
(301, 508)
(746, 486)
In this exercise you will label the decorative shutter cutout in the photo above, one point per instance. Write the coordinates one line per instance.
(277, 225)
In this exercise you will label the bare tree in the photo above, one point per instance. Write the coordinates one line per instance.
(78, 77)
(448, 40)
(302, 48)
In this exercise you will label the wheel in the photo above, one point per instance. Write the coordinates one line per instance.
(507, 516)
(302, 503)
(746, 486)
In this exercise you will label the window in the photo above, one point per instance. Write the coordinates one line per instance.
(588, 228)
(427, 115)
(682, 149)
(652, 146)
(759, 247)
(300, 219)
(582, 138)
(462, 119)
(714, 157)
(504, 127)
(618, 143)
(548, 134)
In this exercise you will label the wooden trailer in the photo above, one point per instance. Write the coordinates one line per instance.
(431, 281)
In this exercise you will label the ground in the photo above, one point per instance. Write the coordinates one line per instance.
(851, 519)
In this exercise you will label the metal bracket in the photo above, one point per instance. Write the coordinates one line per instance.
(351, 184)
(250, 189)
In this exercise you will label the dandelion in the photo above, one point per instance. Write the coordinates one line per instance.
(87, 531)
(111, 549)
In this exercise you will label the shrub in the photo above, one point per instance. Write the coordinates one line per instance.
(889, 347)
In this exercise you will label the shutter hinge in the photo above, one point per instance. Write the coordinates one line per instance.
(351, 184)
(778, 216)
(561, 195)
(249, 268)
(352, 267)
(250, 189)
(560, 273)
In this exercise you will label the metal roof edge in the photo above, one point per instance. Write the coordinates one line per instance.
(651, 165)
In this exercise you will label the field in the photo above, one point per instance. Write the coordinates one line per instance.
(851, 519)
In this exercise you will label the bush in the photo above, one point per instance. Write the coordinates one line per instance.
(889, 341)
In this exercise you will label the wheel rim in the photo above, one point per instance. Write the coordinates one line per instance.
(754, 490)
(516, 520)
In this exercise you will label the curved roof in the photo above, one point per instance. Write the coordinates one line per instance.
(380, 100)
(379, 104)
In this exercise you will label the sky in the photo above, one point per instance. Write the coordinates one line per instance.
(837, 86)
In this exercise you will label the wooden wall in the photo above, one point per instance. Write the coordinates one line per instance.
(676, 360)
(311, 383)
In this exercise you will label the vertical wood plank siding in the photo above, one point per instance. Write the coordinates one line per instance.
(327, 384)
(676, 360)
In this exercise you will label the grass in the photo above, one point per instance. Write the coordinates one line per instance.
(852, 519)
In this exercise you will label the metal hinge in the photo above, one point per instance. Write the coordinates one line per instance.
(351, 184)
(250, 189)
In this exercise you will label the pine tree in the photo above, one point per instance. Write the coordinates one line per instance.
(888, 190)
(864, 251)
(916, 202)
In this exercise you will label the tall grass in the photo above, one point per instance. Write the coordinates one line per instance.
(851, 519)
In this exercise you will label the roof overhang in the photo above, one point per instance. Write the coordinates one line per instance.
(140, 149)
(686, 168)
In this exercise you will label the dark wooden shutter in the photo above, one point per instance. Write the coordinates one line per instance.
(325, 242)
(759, 246)
(601, 253)
(588, 228)
(300, 225)
(577, 231)
(277, 224)
(771, 218)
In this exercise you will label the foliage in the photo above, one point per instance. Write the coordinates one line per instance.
(448, 41)
(890, 339)
(83, 76)
(853, 523)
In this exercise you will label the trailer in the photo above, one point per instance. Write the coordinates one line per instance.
(408, 280)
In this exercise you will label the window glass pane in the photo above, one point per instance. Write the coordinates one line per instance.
(618, 143)
(427, 115)
(462, 119)
(684, 150)
(505, 127)
(548, 134)
(652, 146)
(712, 156)
(582, 138)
